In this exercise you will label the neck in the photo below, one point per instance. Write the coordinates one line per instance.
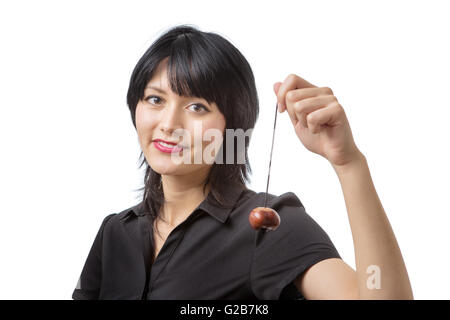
(182, 194)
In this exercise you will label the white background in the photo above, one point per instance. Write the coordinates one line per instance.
(70, 151)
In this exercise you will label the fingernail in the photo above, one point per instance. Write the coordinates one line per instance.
(279, 107)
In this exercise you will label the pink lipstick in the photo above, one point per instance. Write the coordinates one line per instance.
(166, 146)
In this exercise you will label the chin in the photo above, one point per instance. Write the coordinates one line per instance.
(165, 167)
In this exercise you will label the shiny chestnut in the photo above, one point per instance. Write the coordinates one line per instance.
(263, 217)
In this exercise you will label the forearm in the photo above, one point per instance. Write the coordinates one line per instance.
(373, 238)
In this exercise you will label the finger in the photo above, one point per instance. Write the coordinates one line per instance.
(292, 115)
(300, 94)
(292, 82)
(276, 87)
(324, 116)
(304, 107)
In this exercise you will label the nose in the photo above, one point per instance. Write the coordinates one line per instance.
(170, 120)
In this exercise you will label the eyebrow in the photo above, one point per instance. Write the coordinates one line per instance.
(155, 88)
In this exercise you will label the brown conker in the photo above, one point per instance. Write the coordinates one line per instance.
(263, 217)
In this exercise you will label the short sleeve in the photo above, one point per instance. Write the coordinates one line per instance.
(88, 286)
(283, 254)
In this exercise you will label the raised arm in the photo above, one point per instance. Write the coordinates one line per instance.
(322, 126)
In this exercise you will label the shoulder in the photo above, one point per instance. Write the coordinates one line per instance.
(288, 206)
(285, 204)
(290, 209)
(273, 201)
(112, 219)
(284, 253)
(287, 199)
(296, 225)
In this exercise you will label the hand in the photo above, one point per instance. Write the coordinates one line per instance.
(319, 120)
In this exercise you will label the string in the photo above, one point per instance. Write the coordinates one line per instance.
(271, 150)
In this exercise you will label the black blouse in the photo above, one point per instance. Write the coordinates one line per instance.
(213, 254)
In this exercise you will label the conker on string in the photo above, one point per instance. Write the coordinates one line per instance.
(263, 217)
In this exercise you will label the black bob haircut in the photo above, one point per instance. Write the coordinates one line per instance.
(205, 65)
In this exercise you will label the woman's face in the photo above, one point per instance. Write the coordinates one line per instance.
(161, 112)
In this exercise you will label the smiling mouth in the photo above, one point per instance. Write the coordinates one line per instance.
(167, 147)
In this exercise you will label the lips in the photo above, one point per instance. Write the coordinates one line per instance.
(165, 141)
(165, 148)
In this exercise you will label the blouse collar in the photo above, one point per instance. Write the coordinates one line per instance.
(221, 213)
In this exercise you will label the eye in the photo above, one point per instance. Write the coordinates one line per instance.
(154, 100)
(197, 107)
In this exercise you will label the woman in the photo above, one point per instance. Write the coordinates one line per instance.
(190, 236)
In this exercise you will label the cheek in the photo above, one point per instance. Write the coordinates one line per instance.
(213, 128)
(144, 122)
(216, 123)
